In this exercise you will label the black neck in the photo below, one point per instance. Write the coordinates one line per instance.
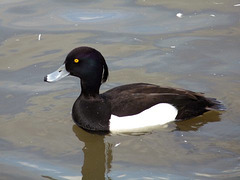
(90, 89)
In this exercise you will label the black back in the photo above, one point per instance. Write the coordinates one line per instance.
(134, 98)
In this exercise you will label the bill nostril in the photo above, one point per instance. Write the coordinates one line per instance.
(56, 75)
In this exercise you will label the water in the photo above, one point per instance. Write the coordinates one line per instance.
(142, 41)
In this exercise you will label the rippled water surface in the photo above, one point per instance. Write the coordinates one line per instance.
(187, 44)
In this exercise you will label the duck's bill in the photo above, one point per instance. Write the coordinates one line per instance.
(57, 75)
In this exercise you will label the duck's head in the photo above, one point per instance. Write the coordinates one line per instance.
(86, 63)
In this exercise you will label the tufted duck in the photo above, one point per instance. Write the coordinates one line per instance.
(129, 107)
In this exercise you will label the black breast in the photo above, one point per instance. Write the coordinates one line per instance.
(92, 114)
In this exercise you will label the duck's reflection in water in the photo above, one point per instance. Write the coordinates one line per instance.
(195, 123)
(98, 152)
(97, 155)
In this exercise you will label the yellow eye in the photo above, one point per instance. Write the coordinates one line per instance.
(76, 60)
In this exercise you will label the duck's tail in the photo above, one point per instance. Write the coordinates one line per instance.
(216, 105)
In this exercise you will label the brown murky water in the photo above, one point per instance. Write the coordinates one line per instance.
(192, 45)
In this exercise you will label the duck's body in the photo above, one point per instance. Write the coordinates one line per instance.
(128, 107)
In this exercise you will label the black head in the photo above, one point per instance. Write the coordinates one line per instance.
(88, 64)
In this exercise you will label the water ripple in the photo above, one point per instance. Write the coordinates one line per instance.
(92, 16)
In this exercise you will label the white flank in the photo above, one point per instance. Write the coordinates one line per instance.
(156, 115)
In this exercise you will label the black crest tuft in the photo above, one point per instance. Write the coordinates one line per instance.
(105, 72)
